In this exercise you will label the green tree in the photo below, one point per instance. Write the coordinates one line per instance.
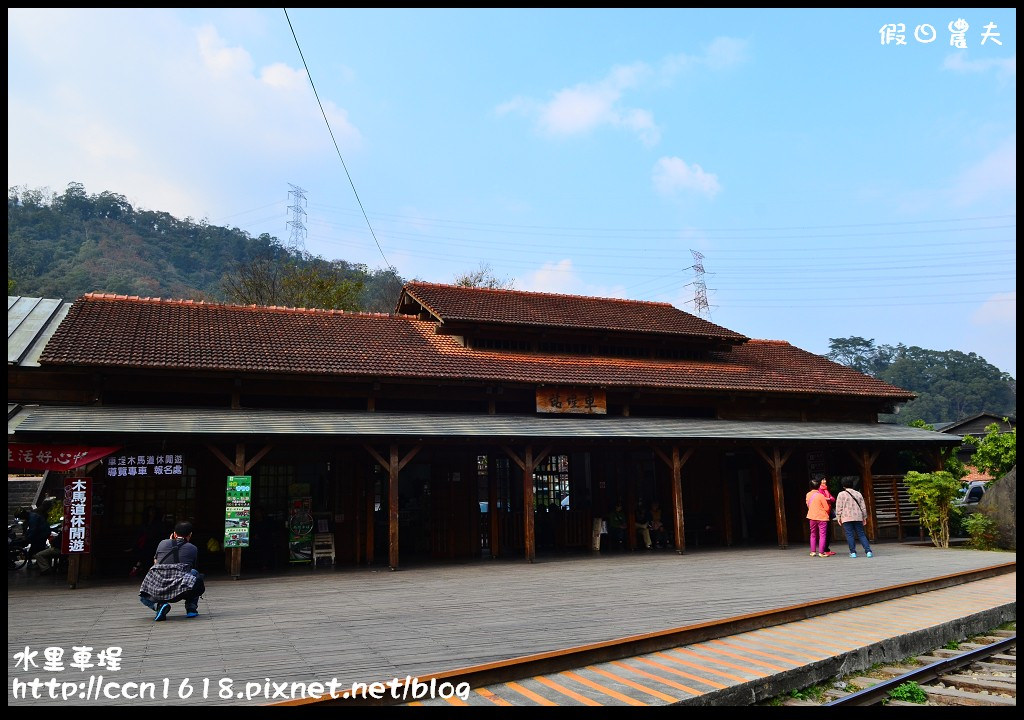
(951, 462)
(293, 281)
(934, 494)
(996, 453)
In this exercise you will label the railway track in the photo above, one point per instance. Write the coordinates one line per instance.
(982, 672)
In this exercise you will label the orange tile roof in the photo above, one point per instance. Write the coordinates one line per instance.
(130, 332)
(483, 305)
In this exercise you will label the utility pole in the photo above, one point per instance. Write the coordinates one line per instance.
(297, 236)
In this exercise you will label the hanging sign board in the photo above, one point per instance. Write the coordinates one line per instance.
(571, 401)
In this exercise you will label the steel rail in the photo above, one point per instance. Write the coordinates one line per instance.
(876, 693)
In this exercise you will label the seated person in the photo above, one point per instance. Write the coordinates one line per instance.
(643, 528)
(659, 535)
(617, 525)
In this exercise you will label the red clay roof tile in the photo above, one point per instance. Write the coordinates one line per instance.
(110, 331)
(484, 305)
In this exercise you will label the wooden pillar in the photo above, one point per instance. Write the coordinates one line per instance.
(867, 485)
(527, 464)
(393, 508)
(775, 461)
(233, 556)
(529, 540)
(631, 539)
(675, 464)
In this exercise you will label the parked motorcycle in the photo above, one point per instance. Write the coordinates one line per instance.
(17, 546)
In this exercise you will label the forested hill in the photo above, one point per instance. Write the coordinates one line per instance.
(62, 246)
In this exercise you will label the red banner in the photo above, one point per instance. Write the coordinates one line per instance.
(77, 534)
(53, 457)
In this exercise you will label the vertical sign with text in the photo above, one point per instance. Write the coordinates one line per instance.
(237, 512)
(77, 535)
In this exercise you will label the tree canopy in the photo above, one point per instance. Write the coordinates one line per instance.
(950, 385)
(68, 244)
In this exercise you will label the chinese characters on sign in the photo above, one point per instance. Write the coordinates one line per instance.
(54, 457)
(82, 658)
(236, 514)
(571, 401)
(77, 534)
(925, 33)
(145, 465)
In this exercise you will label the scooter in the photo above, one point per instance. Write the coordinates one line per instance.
(17, 546)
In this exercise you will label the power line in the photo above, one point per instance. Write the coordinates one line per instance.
(336, 148)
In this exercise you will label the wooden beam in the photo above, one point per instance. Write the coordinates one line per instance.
(233, 556)
(376, 456)
(393, 508)
(408, 456)
(515, 458)
(776, 460)
(678, 525)
(528, 537)
(222, 457)
(256, 458)
(868, 490)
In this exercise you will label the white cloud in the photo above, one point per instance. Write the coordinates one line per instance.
(957, 62)
(722, 53)
(280, 75)
(672, 175)
(561, 277)
(993, 176)
(1000, 309)
(218, 58)
(586, 106)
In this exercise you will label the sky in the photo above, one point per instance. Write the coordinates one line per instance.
(797, 175)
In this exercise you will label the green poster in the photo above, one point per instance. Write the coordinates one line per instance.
(237, 511)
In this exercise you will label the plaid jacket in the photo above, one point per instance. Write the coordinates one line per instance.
(168, 582)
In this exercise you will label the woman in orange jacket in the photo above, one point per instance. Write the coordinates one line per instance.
(817, 517)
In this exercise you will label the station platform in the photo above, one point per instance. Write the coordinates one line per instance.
(257, 634)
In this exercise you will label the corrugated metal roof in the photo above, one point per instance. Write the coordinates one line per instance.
(31, 322)
(187, 421)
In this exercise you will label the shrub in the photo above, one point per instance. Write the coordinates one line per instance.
(982, 529)
(934, 494)
(909, 692)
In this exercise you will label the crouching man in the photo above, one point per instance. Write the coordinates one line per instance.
(173, 576)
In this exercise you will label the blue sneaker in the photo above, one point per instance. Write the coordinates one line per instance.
(162, 612)
(868, 553)
(853, 555)
(192, 613)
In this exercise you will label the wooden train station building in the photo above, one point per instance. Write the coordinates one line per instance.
(469, 423)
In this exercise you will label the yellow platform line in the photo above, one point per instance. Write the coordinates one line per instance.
(635, 685)
(525, 692)
(760, 652)
(734, 666)
(682, 673)
(659, 678)
(707, 646)
(713, 671)
(602, 689)
(484, 692)
(566, 691)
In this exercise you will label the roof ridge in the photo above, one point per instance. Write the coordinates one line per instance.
(420, 283)
(182, 302)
